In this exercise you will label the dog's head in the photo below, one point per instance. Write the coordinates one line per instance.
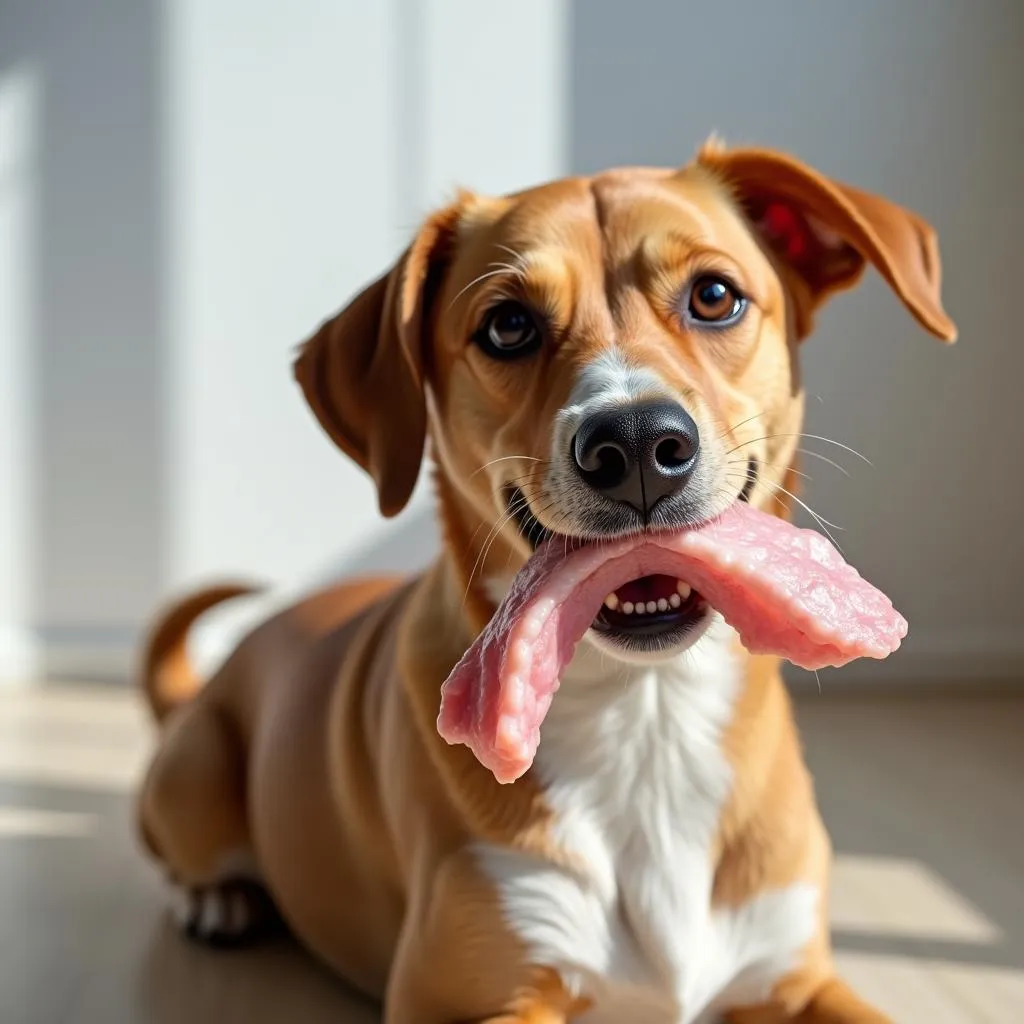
(606, 355)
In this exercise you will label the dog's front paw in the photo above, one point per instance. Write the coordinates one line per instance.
(228, 915)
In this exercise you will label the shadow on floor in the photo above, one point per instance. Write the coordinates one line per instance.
(934, 782)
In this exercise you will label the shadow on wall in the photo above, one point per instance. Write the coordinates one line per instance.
(405, 545)
(920, 102)
(94, 501)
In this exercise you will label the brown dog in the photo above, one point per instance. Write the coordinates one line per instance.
(663, 860)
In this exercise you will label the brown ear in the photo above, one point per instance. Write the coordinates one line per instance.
(362, 372)
(824, 231)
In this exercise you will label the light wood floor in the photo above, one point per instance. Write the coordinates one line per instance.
(923, 797)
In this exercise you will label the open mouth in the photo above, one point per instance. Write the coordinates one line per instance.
(649, 613)
(652, 611)
(784, 591)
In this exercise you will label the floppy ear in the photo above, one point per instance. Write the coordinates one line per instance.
(362, 372)
(823, 232)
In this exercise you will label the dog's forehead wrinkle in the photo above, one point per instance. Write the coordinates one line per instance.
(678, 201)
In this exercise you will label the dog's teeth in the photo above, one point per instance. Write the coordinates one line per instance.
(611, 602)
(683, 589)
(640, 608)
(662, 604)
(627, 607)
(652, 606)
(675, 600)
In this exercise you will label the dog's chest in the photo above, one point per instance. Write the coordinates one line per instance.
(635, 771)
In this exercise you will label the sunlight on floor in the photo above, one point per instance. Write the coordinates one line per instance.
(863, 901)
(920, 991)
(901, 899)
(928, 917)
(89, 738)
(21, 822)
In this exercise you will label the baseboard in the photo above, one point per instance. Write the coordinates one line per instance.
(88, 654)
(19, 656)
(110, 653)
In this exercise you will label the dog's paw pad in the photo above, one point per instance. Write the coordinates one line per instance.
(228, 914)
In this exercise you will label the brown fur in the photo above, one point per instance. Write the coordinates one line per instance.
(315, 745)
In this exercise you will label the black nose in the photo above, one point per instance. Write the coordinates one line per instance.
(638, 453)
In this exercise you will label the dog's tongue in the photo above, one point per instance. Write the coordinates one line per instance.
(786, 591)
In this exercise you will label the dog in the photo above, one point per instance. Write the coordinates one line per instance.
(663, 860)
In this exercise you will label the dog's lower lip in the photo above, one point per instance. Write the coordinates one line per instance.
(751, 482)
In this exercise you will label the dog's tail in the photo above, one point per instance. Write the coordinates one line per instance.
(167, 676)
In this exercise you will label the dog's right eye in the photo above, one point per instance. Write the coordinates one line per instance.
(508, 331)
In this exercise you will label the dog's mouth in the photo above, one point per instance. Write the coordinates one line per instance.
(647, 614)
(784, 591)
(651, 613)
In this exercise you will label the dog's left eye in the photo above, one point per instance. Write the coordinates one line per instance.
(713, 300)
(508, 331)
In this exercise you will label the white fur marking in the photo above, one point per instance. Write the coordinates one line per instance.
(603, 384)
(212, 913)
(632, 763)
(213, 908)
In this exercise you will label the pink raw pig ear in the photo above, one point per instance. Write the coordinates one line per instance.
(823, 232)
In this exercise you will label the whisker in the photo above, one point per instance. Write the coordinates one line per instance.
(824, 458)
(736, 426)
(812, 437)
(506, 266)
(482, 277)
(803, 451)
(516, 482)
(769, 465)
(515, 255)
(820, 520)
(531, 477)
(513, 509)
(504, 458)
(543, 511)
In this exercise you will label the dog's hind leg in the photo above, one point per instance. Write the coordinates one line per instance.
(193, 818)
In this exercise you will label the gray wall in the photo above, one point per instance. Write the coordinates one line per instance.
(193, 184)
(922, 101)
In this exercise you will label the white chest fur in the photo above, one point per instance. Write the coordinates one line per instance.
(632, 762)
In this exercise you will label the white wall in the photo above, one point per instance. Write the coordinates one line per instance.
(212, 177)
(308, 142)
(307, 145)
